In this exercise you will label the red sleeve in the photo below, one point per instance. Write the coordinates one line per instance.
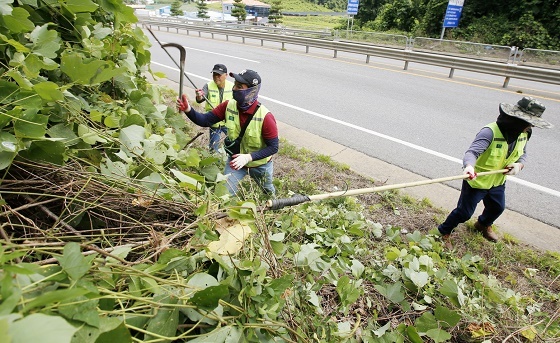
(220, 110)
(269, 128)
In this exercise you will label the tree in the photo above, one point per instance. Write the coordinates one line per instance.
(275, 16)
(202, 9)
(176, 8)
(238, 10)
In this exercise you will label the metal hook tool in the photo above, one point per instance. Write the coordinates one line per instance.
(181, 63)
(182, 66)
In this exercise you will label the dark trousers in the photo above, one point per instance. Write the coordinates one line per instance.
(494, 200)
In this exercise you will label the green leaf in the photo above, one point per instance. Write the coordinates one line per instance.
(202, 280)
(88, 135)
(6, 9)
(450, 289)
(131, 138)
(80, 309)
(48, 91)
(111, 333)
(277, 287)
(31, 125)
(413, 334)
(17, 45)
(55, 297)
(73, 262)
(52, 329)
(189, 180)
(438, 335)
(46, 151)
(447, 317)
(6, 118)
(76, 6)
(8, 149)
(22, 82)
(217, 336)
(17, 21)
(87, 72)
(392, 292)
(357, 268)
(4, 335)
(63, 132)
(420, 279)
(530, 333)
(145, 106)
(45, 42)
(166, 319)
(110, 330)
(9, 304)
(207, 299)
(426, 322)
(34, 65)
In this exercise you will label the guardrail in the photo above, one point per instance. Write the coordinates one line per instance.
(503, 69)
(540, 58)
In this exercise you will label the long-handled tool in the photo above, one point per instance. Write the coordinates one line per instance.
(182, 62)
(277, 204)
(181, 66)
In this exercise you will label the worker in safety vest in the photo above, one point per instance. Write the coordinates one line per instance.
(499, 145)
(214, 93)
(252, 133)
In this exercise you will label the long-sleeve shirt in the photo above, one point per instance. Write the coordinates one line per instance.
(481, 142)
(205, 92)
(269, 126)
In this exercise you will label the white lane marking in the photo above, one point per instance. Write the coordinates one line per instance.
(215, 53)
(392, 139)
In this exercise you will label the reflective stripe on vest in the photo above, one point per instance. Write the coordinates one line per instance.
(214, 97)
(252, 139)
(495, 157)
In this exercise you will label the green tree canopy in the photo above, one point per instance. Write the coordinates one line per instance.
(176, 8)
(526, 24)
(239, 11)
(275, 15)
(202, 9)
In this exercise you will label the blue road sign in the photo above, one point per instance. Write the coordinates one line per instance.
(352, 7)
(453, 13)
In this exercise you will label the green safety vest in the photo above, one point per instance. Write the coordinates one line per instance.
(214, 97)
(252, 139)
(495, 157)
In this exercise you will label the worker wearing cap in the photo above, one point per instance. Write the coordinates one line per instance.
(498, 145)
(252, 133)
(214, 93)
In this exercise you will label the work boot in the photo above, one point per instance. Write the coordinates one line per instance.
(486, 232)
(446, 239)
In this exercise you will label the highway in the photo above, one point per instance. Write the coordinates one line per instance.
(418, 119)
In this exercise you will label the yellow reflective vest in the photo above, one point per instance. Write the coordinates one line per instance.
(495, 157)
(214, 97)
(252, 139)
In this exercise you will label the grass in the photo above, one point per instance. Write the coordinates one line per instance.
(320, 22)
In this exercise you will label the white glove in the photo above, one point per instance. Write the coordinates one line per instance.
(240, 160)
(469, 170)
(514, 168)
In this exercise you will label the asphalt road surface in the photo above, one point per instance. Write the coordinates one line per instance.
(418, 119)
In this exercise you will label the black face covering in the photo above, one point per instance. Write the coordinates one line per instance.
(511, 127)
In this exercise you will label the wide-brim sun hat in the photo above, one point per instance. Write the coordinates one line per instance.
(528, 109)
